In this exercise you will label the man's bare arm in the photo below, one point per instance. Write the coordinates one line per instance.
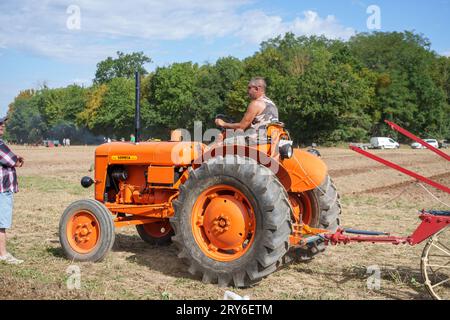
(252, 111)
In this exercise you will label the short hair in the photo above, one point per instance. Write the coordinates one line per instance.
(259, 82)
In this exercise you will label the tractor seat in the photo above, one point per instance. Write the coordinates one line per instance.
(276, 123)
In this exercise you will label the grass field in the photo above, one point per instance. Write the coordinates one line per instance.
(373, 197)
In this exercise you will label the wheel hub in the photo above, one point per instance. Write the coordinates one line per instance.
(221, 224)
(226, 222)
(81, 235)
(84, 230)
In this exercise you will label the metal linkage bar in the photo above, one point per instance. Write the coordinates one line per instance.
(430, 225)
(339, 237)
(401, 169)
(415, 138)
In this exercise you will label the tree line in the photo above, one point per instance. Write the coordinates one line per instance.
(327, 91)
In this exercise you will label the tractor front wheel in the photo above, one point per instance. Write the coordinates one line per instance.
(86, 231)
(232, 221)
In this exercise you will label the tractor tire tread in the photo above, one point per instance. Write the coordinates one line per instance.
(274, 212)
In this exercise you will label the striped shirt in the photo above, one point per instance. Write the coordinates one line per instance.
(8, 176)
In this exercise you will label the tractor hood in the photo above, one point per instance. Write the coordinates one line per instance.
(154, 153)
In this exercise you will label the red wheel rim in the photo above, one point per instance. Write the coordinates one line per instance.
(158, 229)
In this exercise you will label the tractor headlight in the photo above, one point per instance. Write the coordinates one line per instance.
(86, 182)
(285, 149)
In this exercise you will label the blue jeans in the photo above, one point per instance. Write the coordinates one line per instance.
(6, 209)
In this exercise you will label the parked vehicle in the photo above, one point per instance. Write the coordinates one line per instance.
(384, 143)
(364, 146)
(444, 144)
(432, 142)
(51, 143)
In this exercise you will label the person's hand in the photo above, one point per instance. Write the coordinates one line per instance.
(19, 162)
(220, 123)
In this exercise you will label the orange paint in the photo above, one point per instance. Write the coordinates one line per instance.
(83, 232)
(304, 171)
(223, 223)
(161, 175)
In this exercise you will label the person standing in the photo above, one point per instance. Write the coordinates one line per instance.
(132, 138)
(8, 186)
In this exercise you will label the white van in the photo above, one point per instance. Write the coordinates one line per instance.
(432, 142)
(384, 143)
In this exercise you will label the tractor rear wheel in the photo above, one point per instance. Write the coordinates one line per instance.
(157, 233)
(86, 231)
(232, 221)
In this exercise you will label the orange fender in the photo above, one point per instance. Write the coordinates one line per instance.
(305, 171)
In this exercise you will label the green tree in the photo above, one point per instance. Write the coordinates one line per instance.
(408, 89)
(326, 90)
(114, 114)
(124, 66)
(25, 124)
(62, 104)
(171, 95)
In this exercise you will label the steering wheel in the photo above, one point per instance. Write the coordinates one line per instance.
(225, 118)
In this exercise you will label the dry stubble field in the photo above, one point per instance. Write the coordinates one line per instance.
(373, 198)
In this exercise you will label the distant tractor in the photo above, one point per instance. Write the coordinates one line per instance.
(235, 211)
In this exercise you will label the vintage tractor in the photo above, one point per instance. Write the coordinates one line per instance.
(235, 211)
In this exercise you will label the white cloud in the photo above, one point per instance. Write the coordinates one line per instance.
(107, 26)
(259, 27)
(313, 24)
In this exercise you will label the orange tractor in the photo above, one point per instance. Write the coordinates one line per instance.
(236, 212)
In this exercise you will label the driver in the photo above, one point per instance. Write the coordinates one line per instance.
(260, 112)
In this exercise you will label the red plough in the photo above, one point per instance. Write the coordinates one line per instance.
(435, 262)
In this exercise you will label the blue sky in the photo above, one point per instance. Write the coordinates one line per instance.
(59, 42)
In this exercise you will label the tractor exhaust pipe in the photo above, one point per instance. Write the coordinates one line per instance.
(137, 115)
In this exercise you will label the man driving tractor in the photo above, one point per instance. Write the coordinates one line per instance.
(260, 112)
